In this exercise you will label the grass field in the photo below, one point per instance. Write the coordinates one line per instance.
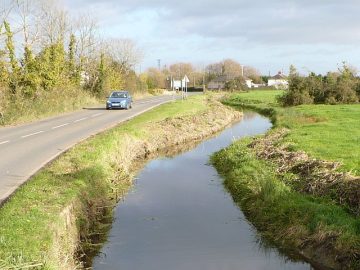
(328, 132)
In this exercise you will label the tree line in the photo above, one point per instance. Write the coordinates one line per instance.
(341, 87)
(231, 69)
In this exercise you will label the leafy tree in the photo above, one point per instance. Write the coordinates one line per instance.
(30, 80)
(4, 74)
(73, 70)
(100, 82)
(298, 93)
(265, 79)
(314, 85)
(15, 70)
(114, 75)
(237, 83)
(155, 79)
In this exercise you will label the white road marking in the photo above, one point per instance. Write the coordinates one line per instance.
(98, 114)
(79, 120)
(32, 134)
(149, 101)
(4, 142)
(63, 125)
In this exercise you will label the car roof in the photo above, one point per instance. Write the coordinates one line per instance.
(122, 91)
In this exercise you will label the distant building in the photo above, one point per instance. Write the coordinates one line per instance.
(279, 81)
(248, 82)
(257, 85)
(218, 83)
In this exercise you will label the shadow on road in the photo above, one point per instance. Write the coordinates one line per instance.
(95, 109)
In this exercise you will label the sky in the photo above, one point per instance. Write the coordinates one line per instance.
(270, 35)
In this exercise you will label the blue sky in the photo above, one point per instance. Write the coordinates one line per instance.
(269, 35)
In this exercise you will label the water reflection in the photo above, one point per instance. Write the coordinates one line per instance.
(179, 216)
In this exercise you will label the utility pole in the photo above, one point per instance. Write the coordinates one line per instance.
(203, 79)
(159, 63)
(140, 78)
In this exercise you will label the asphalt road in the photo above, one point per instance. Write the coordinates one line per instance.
(25, 149)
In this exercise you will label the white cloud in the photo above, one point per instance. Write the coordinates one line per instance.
(271, 34)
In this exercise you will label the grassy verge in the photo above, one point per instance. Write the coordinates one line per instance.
(21, 110)
(289, 184)
(68, 200)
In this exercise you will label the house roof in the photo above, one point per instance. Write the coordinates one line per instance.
(279, 76)
(222, 79)
(226, 78)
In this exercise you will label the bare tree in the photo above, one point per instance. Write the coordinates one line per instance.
(54, 22)
(181, 69)
(85, 27)
(253, 74)
(232, 68)
(215, 69)
(28, 14)
(5, 9)
(124, 52)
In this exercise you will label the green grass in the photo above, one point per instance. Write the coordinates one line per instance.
(32, 227)
(292, 220)
(328, 132)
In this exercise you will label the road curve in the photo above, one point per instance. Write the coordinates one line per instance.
(27, 148)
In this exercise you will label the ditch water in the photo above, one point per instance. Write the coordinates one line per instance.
(179, 216)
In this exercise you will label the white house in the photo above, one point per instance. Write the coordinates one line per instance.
(279, 81)
(248, 82)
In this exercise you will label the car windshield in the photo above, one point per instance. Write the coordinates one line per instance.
(119, 95)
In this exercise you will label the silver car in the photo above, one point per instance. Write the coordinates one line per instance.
(119, 100)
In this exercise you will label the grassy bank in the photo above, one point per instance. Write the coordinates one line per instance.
(69, 199)
(294, 183)
(314, 227)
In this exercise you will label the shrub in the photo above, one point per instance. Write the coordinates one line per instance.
(334, 88)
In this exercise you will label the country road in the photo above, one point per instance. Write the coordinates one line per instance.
(25, 149)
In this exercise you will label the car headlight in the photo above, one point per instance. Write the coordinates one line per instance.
(108, 102)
